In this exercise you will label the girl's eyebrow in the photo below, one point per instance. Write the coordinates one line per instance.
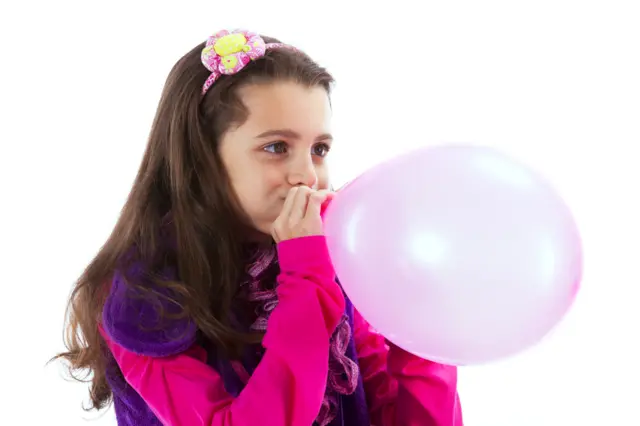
(291, 134)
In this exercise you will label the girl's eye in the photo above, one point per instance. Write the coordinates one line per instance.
(276, 148)
(321, 150)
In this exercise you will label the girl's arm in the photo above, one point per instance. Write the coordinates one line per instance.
(288, 385)
(403, 389)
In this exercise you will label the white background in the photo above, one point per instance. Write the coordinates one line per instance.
(556, 83)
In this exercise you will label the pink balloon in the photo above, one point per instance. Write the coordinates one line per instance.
(458, 254)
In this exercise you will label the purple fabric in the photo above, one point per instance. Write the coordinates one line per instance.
(141, 332)
(135, 322)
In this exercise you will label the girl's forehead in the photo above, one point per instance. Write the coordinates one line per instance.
(287, 105)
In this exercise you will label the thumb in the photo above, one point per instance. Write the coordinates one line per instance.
(316, 202)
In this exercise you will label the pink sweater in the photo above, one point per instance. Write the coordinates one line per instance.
(288, 385)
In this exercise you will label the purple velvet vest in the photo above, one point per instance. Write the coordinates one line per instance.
(132, 410)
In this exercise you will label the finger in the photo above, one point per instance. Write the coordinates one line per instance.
(288, 202)
(314, 207)
(284, 213)
(300, 204)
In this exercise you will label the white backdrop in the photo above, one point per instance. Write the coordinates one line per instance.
(554, 82)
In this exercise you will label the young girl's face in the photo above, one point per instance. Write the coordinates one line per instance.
(282, 144)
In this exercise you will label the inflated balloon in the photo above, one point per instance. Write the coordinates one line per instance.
(458, 254)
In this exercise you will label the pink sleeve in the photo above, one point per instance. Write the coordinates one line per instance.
(288, 385)
(402, 389)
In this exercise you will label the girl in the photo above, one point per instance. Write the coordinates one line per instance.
(214, 301)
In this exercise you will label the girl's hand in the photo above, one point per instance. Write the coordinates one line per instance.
(300, 216)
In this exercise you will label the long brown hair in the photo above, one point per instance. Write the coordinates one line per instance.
(181, 184)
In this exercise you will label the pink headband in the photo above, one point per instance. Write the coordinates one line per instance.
(229, 52)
